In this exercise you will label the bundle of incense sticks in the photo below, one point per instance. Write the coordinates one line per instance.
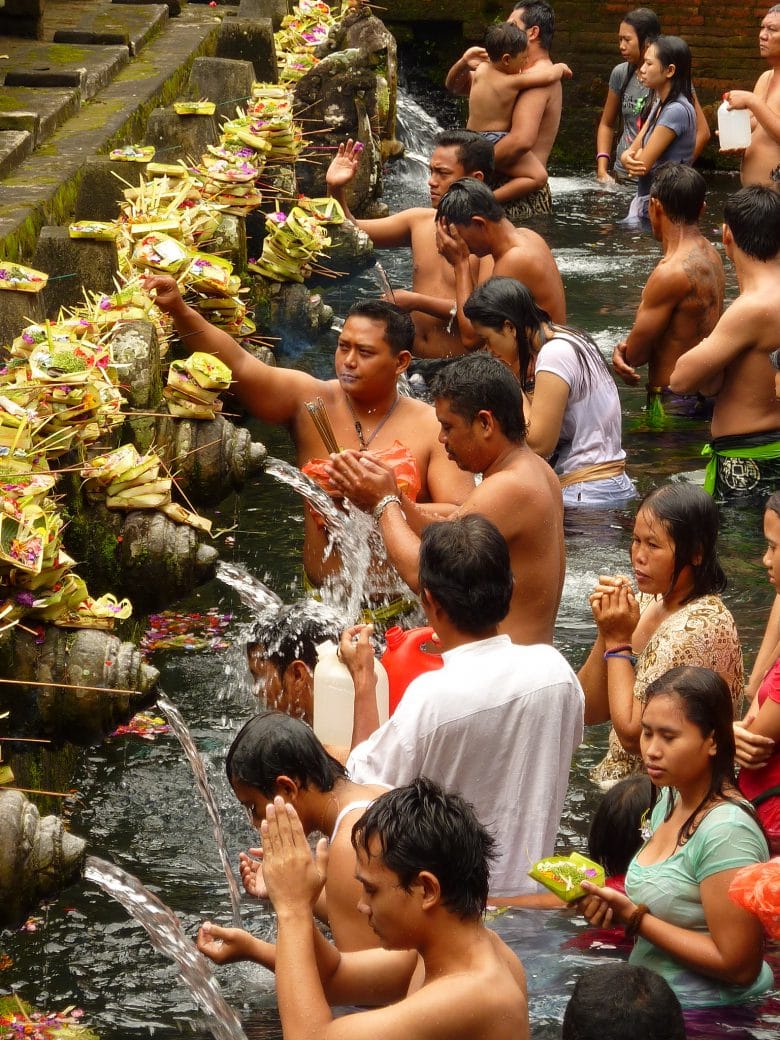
(319, 417)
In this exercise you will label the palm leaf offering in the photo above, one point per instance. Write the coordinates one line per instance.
(564, 875)
(194, 385)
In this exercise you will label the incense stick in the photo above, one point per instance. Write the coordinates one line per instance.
(321, 420)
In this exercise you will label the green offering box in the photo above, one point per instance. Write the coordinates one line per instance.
(563, 875)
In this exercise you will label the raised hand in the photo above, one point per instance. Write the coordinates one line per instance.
(250, 866)
(343, 166)
(294, 879)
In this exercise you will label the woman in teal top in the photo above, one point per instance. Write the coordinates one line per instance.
(700, 832)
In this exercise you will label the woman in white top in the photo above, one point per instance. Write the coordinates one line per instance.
(274, 754)
(572, 407)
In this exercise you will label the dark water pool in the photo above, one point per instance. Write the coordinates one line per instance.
(136, 801)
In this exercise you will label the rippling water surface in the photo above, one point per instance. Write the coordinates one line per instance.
(137, 804)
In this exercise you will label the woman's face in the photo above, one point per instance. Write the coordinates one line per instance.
(674, 750)
(628, 44)
(653, 73)
(502, 343)
(771, 559)
(652, 554)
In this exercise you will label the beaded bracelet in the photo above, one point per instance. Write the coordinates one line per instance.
(634, 922)
(612, 654)
(383, 503)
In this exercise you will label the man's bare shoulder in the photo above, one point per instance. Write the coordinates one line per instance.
(762, 84)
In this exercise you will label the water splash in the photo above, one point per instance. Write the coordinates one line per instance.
(180, 728)
(251, 591)
(167, 936)
(357, 541)
(288, 474)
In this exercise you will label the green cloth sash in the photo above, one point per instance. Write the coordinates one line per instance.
(759, 452)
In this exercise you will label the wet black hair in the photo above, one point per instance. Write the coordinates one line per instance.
(540, 14)
(398, 324)
(773, 502)
(465, 566)
(421, 827)
(752, 215)
(466, 199)
(645, 24)
(293, 633)
(673, 50)
(501, 299)
(504, 38)
(614, 836)
(618, 1001)
(475, 152)
(272, 744)
(680, 189)
(705, 700)
(478, 383)
(690, 518)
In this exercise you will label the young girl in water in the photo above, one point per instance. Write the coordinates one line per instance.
(669, 133)
(698, 834)
(573, 417)
(274, 754)
(762, 785)
(678, 618)
(627, 94)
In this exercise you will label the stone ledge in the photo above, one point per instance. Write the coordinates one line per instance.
(42, 189)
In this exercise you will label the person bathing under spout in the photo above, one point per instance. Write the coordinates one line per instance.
(362, 402)
(423, 865)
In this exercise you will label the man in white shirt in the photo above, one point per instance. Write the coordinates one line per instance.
(499, 722)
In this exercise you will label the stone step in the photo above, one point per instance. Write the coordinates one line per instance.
(41, 190)
(130, 25)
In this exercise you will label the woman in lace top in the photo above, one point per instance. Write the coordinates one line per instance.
(677, 618)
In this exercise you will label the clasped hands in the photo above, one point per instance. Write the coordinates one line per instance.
(291, 876)
(615, 609)
(361, 477)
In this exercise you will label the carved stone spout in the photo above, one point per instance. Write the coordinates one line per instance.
(38, 857)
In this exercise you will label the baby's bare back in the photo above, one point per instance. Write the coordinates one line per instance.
(492, 99)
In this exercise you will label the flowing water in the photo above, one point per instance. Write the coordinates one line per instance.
(181, 729)
(134, 801)
(166, 935)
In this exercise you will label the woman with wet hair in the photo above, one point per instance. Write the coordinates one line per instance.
(699, 833)
(571, 403)
(274, 754)
(678, 617)
(627, 96)
(669, 132)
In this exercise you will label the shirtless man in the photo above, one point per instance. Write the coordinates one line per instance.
(683, 297)
(733, 361)
(479, 407)
(537, 114)
(469, 220)
(493, 92)
(441, 975)
(763, 153)
(457, 153)
(362, 402)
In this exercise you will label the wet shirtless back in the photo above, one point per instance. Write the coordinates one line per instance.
(733, 361)
(683, 298)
